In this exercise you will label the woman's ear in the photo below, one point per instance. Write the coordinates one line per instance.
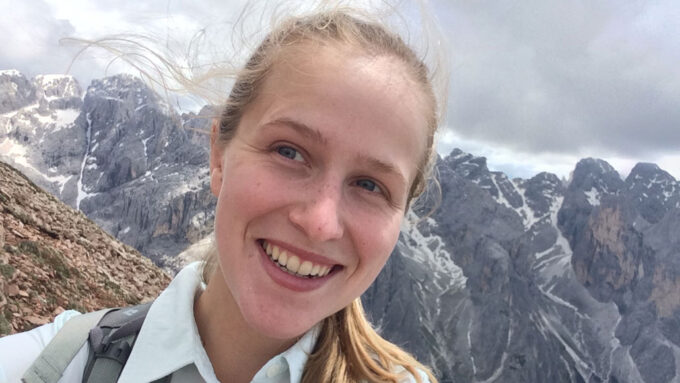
(215, 160)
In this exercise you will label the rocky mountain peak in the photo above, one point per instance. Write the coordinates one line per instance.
(16, 91)
(57, 86)
(57, 92)
(466, 165)
(595, 178)
(652, 191)
(117, 83)
(124, 119)
(541, 190)
(650, 174)
(126, 89)
(547, 182)
(594, 173)
(11, 73)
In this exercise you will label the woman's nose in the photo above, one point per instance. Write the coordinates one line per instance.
(317, 214)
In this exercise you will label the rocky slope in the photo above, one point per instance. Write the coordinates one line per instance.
(53, 258)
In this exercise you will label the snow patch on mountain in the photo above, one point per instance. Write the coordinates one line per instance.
(10, 72)
(500, 198)
(430, 249)
(528, 215)
(82, 193)
(66, 116)
(16, 154)
(556, 260)
(593, 197)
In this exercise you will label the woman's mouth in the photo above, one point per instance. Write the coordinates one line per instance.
(294, 264)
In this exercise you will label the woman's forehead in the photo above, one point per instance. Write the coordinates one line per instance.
(307, 57)
(337, 65)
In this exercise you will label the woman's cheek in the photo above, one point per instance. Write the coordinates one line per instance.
(254, 185)
(376, 239)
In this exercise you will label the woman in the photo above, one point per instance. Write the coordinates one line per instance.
(325, 139)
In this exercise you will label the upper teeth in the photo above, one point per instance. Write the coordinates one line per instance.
(292, 262)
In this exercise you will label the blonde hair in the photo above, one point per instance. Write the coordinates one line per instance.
(348, 348)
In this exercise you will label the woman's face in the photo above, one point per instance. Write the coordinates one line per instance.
(318, 173)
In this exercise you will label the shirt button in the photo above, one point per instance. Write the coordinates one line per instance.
(275, 369)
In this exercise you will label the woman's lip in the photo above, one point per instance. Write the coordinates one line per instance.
(303, 254)
(287, 280)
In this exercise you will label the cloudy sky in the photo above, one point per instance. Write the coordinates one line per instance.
(535, 85)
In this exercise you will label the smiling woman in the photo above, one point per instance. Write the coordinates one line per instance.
(314, 193)
(321, 211)
(324, 141)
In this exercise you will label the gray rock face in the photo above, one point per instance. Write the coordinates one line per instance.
(654, 192)
(15, 91)
(508, 280)
(555, 282)
(143, 178)
(38, 133)
(58, 92)
(625, 252)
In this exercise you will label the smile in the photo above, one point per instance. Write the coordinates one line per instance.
(293, 264)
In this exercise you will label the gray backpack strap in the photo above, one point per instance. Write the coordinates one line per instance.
(111, 343)
(57, 355)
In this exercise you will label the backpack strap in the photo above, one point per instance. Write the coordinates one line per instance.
(111, 343)
(111, 334)
(56, 356)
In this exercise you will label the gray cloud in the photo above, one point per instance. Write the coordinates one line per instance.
(568, 77)
(31, 31)
(29, 37)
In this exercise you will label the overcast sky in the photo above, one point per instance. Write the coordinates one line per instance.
(535, 84)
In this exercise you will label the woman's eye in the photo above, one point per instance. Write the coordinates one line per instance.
(290, 153)
(368, 185)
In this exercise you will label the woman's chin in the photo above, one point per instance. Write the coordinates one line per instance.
(278, 323)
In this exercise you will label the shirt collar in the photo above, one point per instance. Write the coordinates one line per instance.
(298, 354)
(169, 338)
(294, 360)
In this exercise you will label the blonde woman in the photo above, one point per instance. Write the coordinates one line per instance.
(323, 142)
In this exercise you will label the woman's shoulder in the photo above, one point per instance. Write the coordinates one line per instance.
(409, 378)
(18, 351)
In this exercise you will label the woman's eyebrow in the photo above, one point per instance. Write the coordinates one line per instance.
(301, 128)
(382, 166)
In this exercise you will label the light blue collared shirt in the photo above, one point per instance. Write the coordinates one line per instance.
(168, 343)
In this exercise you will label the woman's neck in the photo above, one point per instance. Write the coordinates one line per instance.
(235, 349)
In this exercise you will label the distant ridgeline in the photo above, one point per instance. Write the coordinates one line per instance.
(518, 280)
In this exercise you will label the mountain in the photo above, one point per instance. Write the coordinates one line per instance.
(506, 280)
(576, 282)
(53, 258)
(116, 152)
